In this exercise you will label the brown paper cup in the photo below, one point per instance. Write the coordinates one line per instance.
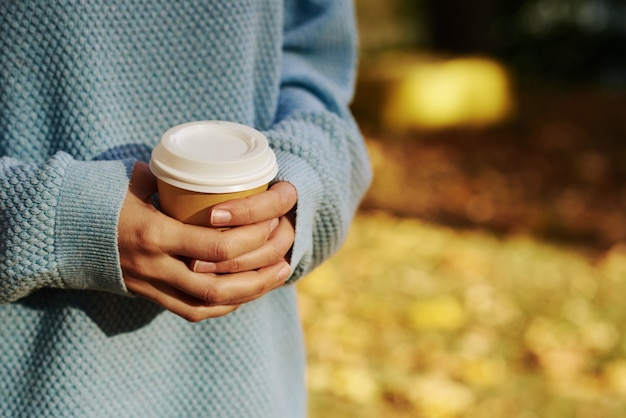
(200, 164)
(193, 207)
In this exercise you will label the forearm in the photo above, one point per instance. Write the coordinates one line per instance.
(319, 147)
(330, 170)
(58, 225)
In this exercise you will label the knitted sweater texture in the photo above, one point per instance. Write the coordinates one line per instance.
(86, 89)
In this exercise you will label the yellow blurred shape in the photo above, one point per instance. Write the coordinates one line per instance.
(557, 345)
(324, 285)
(615, 373)
(440, 397)
(614, 263)
(485, 372)
(457, 92)
(319, 377)
(564, 364)
(356, 384)
(545, 334)
(599, 336)
(440, 313)
(351, 382)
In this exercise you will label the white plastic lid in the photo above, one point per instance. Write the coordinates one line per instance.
(213, 157)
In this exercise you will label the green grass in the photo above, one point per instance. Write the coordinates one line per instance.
(411, 319)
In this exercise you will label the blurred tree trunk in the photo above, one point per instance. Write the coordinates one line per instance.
(459, 26)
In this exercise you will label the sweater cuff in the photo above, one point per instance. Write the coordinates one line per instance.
(86, 226)
(303, 177)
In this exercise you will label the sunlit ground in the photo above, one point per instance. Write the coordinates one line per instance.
(415, 320)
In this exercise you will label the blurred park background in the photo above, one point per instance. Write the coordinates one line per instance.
(485, 274)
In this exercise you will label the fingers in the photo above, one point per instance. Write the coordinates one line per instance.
(143, 183)
(233, 288)
(273, 251)
(177, 302)
(196, 296)
(196, 242)
(274, 203)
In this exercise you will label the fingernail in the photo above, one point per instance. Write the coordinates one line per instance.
(283, 274)
(203, 266)
(220, 217)
(274, 224)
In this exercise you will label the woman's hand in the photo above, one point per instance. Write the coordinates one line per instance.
(276, 205)
(154, 250)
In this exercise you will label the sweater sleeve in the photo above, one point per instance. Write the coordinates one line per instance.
(319, 147)
(58, 225)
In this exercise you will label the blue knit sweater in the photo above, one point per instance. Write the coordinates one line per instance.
(86, 89)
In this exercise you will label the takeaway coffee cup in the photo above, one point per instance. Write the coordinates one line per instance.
(200, 164)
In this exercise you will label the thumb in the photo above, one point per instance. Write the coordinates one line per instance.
(142, 182)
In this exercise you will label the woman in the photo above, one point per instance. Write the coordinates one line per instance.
(100, 314)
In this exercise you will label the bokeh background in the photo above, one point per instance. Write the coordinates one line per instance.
(485, 273)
